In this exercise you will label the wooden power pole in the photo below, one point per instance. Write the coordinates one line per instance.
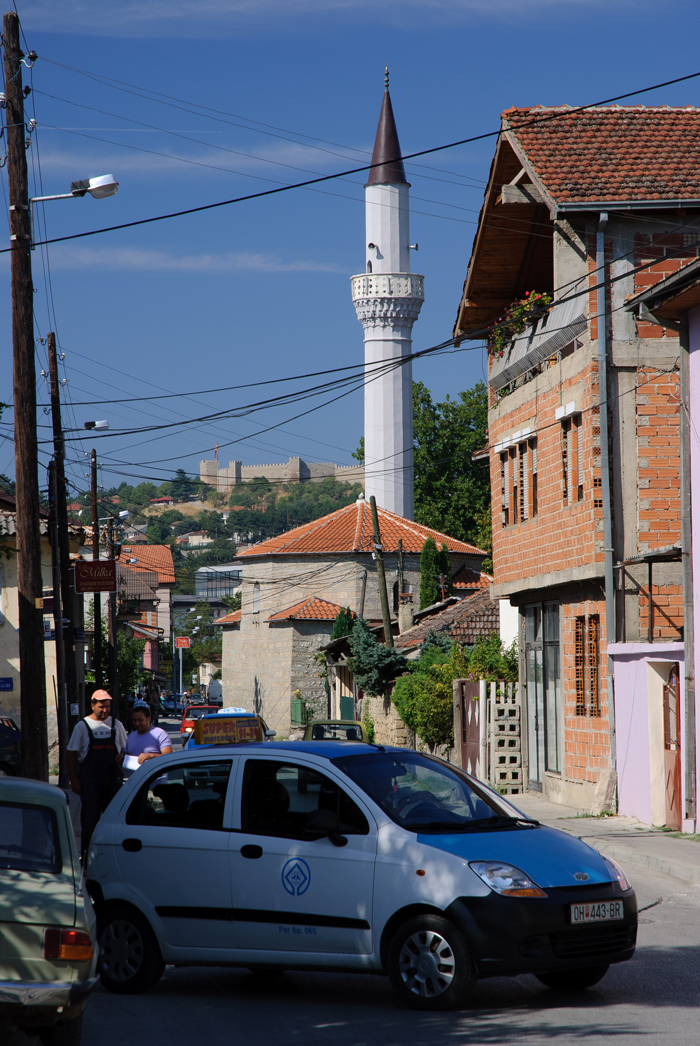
(61, 510)
(97, 600)
(381, 575)
(29, 580)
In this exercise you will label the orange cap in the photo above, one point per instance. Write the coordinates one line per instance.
(101, 695)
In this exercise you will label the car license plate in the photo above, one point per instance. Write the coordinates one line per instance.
(598, 912)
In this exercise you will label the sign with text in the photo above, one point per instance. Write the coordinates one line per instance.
(182, 642)
(7, 683)
(225, 730)
(99, 575)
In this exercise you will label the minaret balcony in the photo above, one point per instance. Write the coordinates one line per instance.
(387, 285)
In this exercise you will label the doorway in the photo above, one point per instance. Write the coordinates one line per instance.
(672, 751)
(543, 688)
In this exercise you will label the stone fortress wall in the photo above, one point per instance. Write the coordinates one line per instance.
(223, 480)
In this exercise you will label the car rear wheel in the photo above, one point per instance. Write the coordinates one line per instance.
(130, 961)
(573, 980)
(429, 964)
(65, 1033)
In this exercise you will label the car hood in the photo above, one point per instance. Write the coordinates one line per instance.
(549, 856)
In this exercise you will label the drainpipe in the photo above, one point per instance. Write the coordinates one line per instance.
(687, 553)
(602, 310)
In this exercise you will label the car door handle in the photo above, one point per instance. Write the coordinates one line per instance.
(132, 846)
(252, 851)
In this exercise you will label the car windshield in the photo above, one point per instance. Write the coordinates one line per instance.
(422, 793)
(197, 713)
(28, 838)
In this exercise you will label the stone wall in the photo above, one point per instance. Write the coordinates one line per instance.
(293, 471)
(308, 638)
(389, 729)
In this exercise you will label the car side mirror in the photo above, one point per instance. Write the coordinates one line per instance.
(325, 823)
(270, 733)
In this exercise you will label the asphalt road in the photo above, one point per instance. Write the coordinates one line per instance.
(654, 999)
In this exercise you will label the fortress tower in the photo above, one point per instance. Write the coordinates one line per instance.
(387, 299)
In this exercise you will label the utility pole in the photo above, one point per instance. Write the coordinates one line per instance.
(96, 603)
(381, 576)
(62, 706)
(61, 512)
(29, 581)
(112, 632)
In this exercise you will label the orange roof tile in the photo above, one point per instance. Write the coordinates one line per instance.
(229, 619)
(612, 153)
(151, 557)
(349, 529)
(312, 609)
(470, 580)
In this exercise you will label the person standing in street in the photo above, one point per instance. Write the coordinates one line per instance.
(93, 763)
(145, 741)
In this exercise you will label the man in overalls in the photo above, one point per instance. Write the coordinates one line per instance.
(93, 761)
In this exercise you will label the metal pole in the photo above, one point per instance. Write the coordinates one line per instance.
(688, 595)
(32, 674)
(97, 599)
(610, 631)
(58, 627)
(381, 576)
(67, 588)
(112, 632)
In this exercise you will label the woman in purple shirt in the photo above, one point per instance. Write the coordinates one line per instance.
(145, 741)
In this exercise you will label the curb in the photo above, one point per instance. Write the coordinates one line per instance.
(687, 873)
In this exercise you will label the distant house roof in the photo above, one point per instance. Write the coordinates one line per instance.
(312, 609)
(349, 529)
(229, 619)
(468, 580)
(151, 557)
(75, 507)
(466, 621)
(160, 501)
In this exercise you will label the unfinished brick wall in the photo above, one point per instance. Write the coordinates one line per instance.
(667, 254)
(587, 735)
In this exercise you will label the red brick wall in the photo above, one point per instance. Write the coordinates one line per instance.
(671, 256)
(586, 738)
(560, 536)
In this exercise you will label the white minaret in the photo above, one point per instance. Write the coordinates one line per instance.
(388, 298)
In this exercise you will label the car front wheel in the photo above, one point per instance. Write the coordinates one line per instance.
(573, 980)
(130, 961)
(429, 964)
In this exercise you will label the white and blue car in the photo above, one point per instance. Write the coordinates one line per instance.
(346, 856)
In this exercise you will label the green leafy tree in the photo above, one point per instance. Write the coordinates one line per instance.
(129, 660)
(444, 572)
(359, 454)
(489, 659)
(424, 699)
(181, 486)
(232, 602)
(343, 624)
(451, 489)
(429, 572)
(373, 665)
(158, 532)
(204, 634)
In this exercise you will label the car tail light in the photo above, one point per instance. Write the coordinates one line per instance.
(75, 945)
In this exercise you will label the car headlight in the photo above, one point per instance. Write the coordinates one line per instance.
(617, 873)
(506, 879)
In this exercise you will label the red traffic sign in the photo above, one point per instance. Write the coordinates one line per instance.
(182, 642)
(99, 575)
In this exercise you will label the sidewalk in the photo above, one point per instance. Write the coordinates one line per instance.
(624, 838)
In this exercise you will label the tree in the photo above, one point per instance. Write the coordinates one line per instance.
(182, 487)
(451, 490)
(343, 624)
(428, 574)
(374, 666)
(444, 566)
(424, 699)
(158, 532)
(205, 636)
(359, 454)
(489, 659)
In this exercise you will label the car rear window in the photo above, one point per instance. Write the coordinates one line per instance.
(28, 838)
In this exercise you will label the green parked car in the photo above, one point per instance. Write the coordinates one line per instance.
(48, 953)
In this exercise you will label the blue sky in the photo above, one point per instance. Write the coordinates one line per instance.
(261, 290)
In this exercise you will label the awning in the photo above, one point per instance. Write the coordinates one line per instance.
(553, 332)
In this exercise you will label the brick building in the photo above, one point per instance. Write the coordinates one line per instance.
(589, 208)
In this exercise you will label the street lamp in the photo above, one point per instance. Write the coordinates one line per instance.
(99, 188)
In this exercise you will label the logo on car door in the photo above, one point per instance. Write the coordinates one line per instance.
(296, 876)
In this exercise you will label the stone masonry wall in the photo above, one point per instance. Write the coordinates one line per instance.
(308, 637)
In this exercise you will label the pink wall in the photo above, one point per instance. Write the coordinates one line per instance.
(694, 407)
(632, 722)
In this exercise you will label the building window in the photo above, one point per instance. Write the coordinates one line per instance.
(513, 492)
(532, 444)
(580, 663)
(586, 663)
(504, 489)
(571, 472)
(519, 483)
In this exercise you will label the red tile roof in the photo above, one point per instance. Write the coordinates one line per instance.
(229, 619)
(312, 609)
(612, 153)
(349, 529)
(472, 618)
(151, 557)
(468, 580)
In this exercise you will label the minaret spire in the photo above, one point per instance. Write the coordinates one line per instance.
(387, 299)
